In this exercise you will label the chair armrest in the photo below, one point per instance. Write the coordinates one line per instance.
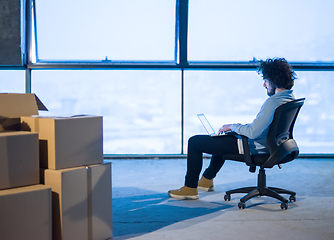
(247, 154)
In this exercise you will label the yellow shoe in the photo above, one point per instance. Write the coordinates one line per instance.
(205, 184)
(184, 193)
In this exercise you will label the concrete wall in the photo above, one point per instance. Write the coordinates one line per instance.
(10, 32)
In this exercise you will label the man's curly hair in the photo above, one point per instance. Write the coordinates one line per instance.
(278, 71)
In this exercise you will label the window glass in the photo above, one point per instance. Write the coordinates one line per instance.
(298, 30)
(141, 109)
(12, 81)
(236, 97)
(314, 128)
(94, 30)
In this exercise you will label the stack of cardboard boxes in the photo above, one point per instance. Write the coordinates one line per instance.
(70, 163)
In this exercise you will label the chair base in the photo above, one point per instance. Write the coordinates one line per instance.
(261, 190)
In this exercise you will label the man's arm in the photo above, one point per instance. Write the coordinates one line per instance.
(259, 124)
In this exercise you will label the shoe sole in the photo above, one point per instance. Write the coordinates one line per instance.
(210, 189)
(182, 197)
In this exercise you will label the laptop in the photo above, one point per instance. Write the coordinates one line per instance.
(209, 129)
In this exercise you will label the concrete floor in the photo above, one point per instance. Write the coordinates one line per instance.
(143, 210)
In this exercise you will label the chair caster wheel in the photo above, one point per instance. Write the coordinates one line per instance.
(241, 205)
(292, 198)
(284, 206)
(227, 197)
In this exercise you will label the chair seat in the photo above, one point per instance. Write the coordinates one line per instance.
(258, 160)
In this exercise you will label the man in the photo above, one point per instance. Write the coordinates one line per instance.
(278, 79)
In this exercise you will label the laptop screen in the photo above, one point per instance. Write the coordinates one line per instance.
(206, 124)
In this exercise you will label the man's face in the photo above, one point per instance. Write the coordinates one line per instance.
(270, 88)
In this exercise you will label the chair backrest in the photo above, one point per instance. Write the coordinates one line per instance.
(282, 147)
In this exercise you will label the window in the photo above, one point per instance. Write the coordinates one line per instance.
(100, 30)
(236, 97)
(141, 109)
(240, 30)
(12, 81)
(150, 105)
(314, 129)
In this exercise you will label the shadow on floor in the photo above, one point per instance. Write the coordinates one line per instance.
(150, 211)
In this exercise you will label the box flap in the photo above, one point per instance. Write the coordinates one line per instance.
(15, 105)
(40, 105)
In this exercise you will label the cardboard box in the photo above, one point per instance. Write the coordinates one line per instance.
(15, 105)
(67, 142)
(99, 202)
(82, 202)
(25, 213)
(69, 203)
(19, 164)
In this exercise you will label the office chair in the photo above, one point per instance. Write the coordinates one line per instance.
(282, 147)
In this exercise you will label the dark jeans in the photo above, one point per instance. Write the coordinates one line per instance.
(217, 146)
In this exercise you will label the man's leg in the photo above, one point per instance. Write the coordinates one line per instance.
(217, 146)
(215, 165)
(197, 145)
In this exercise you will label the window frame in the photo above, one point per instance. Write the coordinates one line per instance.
(181, 62)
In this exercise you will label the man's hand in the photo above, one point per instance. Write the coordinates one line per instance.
(225, 128)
